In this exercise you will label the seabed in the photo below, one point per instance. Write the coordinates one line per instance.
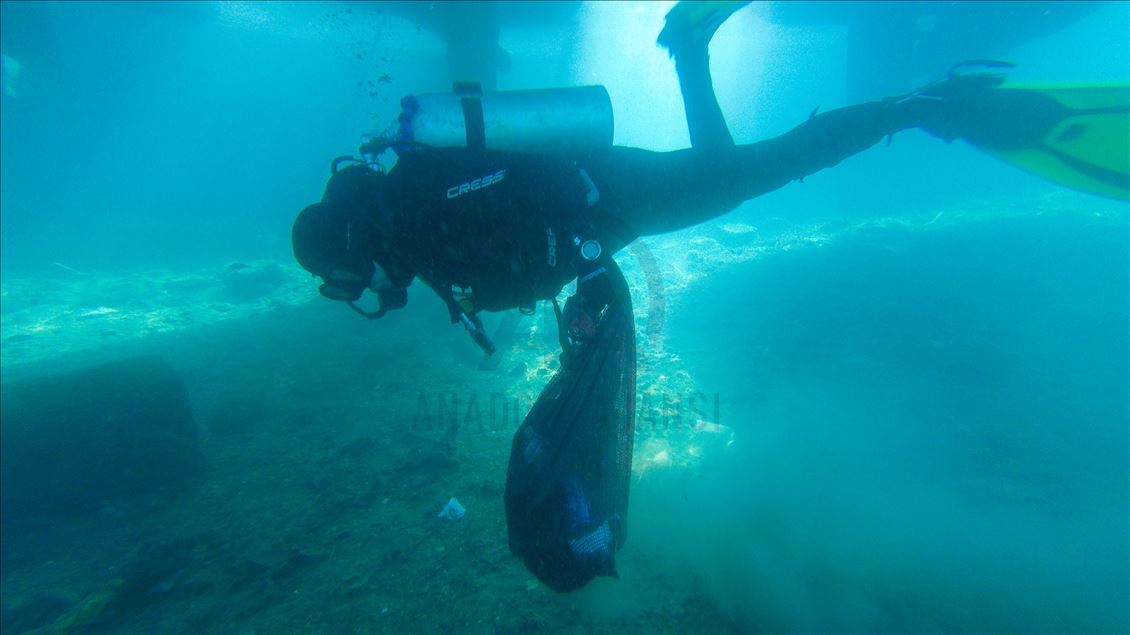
(331, 444)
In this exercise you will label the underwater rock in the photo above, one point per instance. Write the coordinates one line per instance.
(426, 465)
(364, 448)
(35, 612)
(237, 417)
(152, 576)
(296, 563)
(151, 571)
(354, 585)
(247, 574)
(73, 442)
(244, 283)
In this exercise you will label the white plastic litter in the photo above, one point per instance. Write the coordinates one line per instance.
(453, 510)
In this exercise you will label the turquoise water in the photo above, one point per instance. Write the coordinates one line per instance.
(890, 399)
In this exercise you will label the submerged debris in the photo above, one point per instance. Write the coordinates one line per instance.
(453, 510)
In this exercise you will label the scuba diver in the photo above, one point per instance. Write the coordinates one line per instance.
(510, 236)
(491, 222)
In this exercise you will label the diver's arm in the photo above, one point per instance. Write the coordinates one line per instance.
(462, 312)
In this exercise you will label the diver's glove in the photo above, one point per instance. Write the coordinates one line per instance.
(578, 320)
(963, 104)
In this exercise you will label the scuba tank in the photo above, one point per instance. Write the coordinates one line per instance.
(543, 121)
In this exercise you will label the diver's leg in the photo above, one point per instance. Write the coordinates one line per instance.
(645, 193)
(705, 123)
(686, 35)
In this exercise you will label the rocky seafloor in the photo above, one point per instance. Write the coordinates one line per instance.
(332, 443)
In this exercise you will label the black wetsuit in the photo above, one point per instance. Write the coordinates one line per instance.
(506, 226)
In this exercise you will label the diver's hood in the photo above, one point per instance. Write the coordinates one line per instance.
(344, 237)
(360, 193)
(349, 229)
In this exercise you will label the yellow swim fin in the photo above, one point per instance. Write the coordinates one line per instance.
(1083, 142)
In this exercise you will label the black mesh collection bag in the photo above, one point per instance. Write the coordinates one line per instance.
(571, 459)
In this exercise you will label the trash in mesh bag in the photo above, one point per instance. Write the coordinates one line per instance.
(571, 459)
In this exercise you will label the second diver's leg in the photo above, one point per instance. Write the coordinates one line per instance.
(686, 35)
(638, 208)
(705, 123)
